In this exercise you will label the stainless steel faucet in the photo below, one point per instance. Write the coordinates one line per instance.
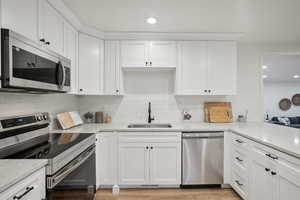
(150, 119)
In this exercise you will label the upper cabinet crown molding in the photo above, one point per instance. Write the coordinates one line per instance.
(171, 36)
(66, 13)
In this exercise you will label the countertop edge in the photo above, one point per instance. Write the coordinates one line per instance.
(38, 166)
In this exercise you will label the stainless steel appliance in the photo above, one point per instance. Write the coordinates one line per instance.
(29, 66)
(71, 172)
(203, 155)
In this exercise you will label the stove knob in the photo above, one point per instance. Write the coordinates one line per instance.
(45, 117)
(39, 155)
(40, 118)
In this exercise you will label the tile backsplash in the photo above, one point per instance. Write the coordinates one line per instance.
(16, 104)
(133, 108)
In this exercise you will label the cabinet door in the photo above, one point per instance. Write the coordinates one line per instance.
(133, 164)
(71, 46)
(107, 158)
(52, 27)
(134, 53)
(112, 73)
(261, 180)
(89, 67)
(192, 69)
(162, 54)
(165, 163)
(21, 17)
(222, 68)
(287, 181)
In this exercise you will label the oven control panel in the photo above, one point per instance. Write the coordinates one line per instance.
(25, 120)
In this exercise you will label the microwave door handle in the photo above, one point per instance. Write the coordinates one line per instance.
(60, 82)
(64, 76)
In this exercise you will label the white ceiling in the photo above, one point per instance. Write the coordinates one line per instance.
(282, 68)
(259, 20)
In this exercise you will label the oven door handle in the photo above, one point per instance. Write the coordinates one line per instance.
(52, 181)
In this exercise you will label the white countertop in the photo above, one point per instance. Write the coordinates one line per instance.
(14, 170)
(282, 138)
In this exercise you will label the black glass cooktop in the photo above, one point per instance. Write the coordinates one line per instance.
(43, 147)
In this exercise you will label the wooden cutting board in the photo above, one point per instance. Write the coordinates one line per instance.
(69, 119)
(218, 112)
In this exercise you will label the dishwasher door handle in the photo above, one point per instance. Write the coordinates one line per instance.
(201, 137)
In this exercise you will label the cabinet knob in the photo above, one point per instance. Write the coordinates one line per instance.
(151, 147)
(209, 91)
(47, 43)
(80, 90)
(267, 169)
(117, 91)
(205, 90)
(273, 173)
(150, 63)
(238, 159)
(146, 63)
(42, 40)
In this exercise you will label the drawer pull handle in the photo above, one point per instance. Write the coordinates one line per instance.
(238, 182)
(28, 189)
(267, 169)
(239, 141)
(271, 156)
(238, 159)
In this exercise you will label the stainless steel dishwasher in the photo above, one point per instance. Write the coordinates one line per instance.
(202, 158)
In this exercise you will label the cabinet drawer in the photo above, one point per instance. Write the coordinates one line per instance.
(149, 137)
(240, 142)
(33, 188)
(239, 161)
(239, 183)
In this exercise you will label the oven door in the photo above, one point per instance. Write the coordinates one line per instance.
(76, 180)
(28, 65)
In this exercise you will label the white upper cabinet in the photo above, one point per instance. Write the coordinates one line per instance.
(192, 68)
(206, 68)
(134, 53)
(21, 17)
(162, 54)
(222, 67)
(148, 54)
(71, 52)
(112, 75)
(51, 27)
(90, 50)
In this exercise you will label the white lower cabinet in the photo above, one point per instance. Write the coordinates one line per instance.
(133, 164)
(262, 173)
(150, 159)
(165, 163)
(31, 188)
(107, 159)
(139, 159)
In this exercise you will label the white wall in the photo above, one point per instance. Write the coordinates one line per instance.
(15, 104)
(167, 108)
(274, 92)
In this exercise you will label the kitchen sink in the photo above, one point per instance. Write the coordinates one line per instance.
(149, 126)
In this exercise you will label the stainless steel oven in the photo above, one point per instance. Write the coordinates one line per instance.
(71, 168)
(27, 65)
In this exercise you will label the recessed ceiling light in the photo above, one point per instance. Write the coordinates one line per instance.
(265, 76)
(265, 67)
(151, 20)
(296, 76)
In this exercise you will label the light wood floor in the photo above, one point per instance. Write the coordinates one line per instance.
(169, 194)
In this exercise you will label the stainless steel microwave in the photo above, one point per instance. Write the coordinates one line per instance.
(29, 66)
